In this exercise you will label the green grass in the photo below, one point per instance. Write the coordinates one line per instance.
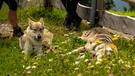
(126, 13)
(3, 14)
(12, 62)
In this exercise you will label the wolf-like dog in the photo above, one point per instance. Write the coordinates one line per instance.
(34, 37)
(98, 41)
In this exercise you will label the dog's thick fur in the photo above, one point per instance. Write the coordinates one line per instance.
(48, 37)
(99, 41)
(34, 37)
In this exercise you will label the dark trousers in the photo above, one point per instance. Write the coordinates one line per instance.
(72, 16)
(12, 4)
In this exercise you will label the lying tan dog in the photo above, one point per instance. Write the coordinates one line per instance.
(34, 37)
(48, 37)
(99, 42)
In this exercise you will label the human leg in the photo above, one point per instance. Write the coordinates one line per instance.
(76, 22)
(1, 2)
(77, 19)
(72, 16)
(68, 19)
(12, 15)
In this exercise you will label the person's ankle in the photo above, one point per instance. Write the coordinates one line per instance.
(15, 27)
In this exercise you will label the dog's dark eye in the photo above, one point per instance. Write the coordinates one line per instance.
(34, 29)
(41, 29)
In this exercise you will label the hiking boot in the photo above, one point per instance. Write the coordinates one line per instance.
(67, 28)
(75, 29)
(17, 31)
(76, 24)
(67, 24)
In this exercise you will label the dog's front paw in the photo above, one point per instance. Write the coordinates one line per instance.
(24, 52)
(39, 55)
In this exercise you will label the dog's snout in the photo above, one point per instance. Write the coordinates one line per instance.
(39, 36)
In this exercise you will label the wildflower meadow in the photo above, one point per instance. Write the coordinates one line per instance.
(54, 62)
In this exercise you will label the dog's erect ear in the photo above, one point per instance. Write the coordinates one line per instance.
(41, 20)
(30, 21)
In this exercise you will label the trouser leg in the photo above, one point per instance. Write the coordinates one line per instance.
(1, 2)
(72, 16)
(68, 19)
(12, 15)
